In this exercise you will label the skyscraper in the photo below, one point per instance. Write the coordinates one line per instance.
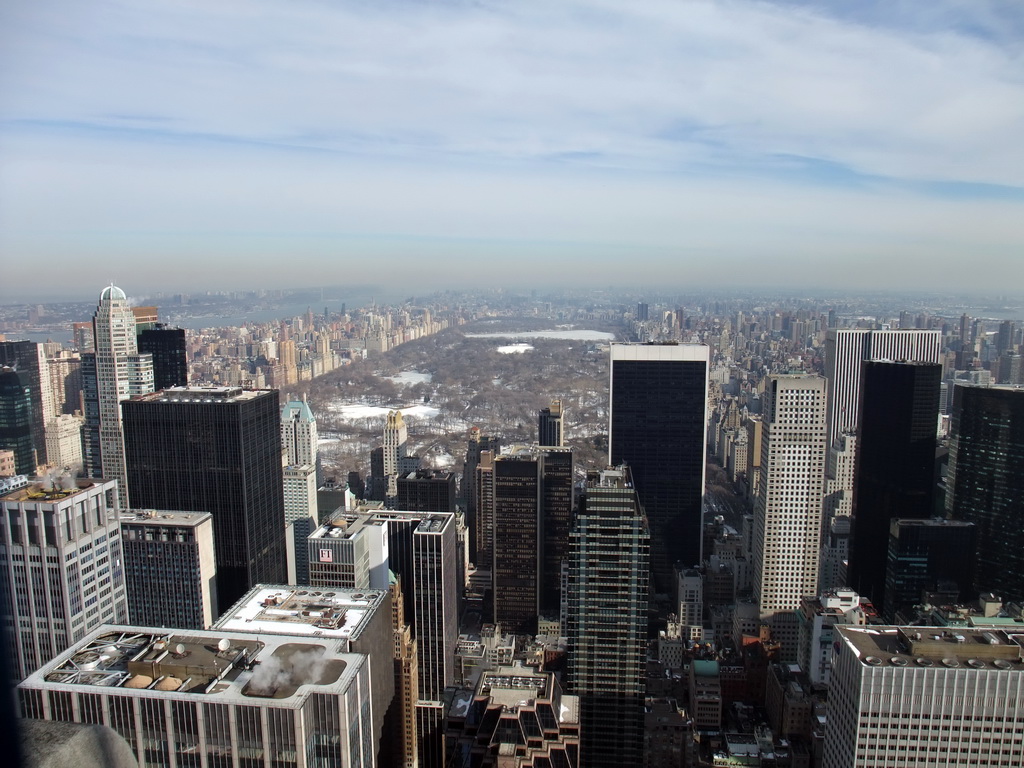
(167, 347)
(894, 473)
(846, 349)
(60, 566)
(29, 359)
(787, 514)
(927, 555)
(170, 568)
(549, 424)
(16, 420)
(607, 619)
(986, 481)
(658, 426)
(216, 450)
(903, 696)
(115, 372)
(298, 433)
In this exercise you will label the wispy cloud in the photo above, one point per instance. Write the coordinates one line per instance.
(874, 104)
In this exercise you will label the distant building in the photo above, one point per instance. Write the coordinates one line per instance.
(349, 551)
(216, 450)
(16, 418)
(64, 442)
(427, 490)
(170, 568)
(219, 697)
(29, 359)
(986, 482)
(299, 434)
(476, 444)
(607, 619)
(167, 347)
(847, 349)
(61, 565)
(939, 697)
(658, 426)
(549, 425)
(112, 373)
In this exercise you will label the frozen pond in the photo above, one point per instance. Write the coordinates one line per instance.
(513, 349)
(353, 411)
(569, 334)
(410, 378)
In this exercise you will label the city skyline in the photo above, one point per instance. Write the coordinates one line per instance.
(721, 142)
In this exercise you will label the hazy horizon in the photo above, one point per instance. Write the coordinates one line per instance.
(243, 144)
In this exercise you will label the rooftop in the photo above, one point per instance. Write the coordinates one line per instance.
(231, 667)
(202, 395)
(341, 614)
(935, 646)
(48, 490)
(161, 518)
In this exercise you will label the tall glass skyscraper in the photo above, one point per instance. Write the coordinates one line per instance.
(609, 550)
(986, 481)
(894, 474)
(658, 426)
(216, 450)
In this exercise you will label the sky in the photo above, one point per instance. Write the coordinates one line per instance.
(185, 144)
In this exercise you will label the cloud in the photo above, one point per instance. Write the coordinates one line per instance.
(598, 124)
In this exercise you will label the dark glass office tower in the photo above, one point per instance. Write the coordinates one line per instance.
(532, 512)
(427, 490)
(894, 474)
(16, 420)
(515, 576)
(927, 556)
(607, 619)
(170, 363)
(986, 482)
(658, 426)
(216, 450)
(28, 359)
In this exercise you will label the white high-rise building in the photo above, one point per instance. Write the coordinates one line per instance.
(298, 433)
(787, 515)
(923, 696)
(846, 349)
(61, 564)
(64, 442)
(118, 372)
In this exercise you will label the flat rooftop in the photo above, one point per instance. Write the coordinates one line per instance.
(346, 525)
(157, 517)
(202, 395)
(231, 667)
(961, 647)
(48, 491)
(335, 613)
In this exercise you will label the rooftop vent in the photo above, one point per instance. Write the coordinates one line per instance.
(923, 662)
(1002, 664)
(873, 661)
(975, 663)
(950, 663)
(898, 661)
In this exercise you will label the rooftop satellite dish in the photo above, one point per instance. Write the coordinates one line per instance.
(224, 644)
(179, 649)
